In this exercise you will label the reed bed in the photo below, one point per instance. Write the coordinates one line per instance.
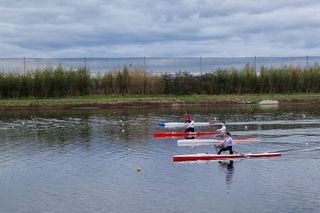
(59, 82)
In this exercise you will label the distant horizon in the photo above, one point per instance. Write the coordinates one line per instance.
(156, 64)
(161, 57)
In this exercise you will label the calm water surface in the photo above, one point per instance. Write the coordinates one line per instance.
(87, 160)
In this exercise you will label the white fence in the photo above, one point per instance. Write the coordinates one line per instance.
(156, 65)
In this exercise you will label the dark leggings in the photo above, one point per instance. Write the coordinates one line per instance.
(190, 129)
(226, 149)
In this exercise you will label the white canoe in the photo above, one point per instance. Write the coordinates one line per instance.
(180, 124)
(203, 142)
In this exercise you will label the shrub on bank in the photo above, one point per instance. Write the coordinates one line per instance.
(59, 82)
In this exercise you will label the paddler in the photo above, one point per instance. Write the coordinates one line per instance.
(226, 144)
(223, 129)
(190, 122)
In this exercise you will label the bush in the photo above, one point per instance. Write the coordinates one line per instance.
(59, 82)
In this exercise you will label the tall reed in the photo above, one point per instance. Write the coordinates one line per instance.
(60, 82)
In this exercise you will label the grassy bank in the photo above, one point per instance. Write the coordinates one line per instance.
(123, 101)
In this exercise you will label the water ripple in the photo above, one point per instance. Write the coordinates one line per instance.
(108, 161)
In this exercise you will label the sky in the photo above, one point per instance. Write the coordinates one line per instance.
(162, 28)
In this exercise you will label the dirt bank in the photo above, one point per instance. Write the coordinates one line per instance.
(45, 107)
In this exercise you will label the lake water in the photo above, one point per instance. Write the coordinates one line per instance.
(87, 160)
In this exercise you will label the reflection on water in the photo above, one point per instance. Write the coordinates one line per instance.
(228, 168)
(86, 161)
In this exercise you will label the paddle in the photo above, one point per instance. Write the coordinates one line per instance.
(212, 122)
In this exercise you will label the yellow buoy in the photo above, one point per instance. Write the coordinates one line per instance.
(138, 169)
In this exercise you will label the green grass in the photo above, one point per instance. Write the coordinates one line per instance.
(140, 99)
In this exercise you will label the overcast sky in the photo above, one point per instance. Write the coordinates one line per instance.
(162, 28)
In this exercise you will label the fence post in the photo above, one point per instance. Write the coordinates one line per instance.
(144, 63)
(307, 62)
(255, 64)
(24, 65)
(200, 65)
(85, 63)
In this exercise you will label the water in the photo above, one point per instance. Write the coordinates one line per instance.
(87, 161)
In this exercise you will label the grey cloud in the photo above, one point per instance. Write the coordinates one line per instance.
(163, 28)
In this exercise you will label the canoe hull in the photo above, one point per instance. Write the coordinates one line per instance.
(212, 141)
(204, 156)
(182, 134)
(180, 124)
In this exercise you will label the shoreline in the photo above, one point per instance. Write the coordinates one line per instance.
(111, 102)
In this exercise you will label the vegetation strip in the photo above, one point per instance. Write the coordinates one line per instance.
(59, 83)
(150, 101)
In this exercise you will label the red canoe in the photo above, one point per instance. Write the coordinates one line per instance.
(204, 156)
(182, 134)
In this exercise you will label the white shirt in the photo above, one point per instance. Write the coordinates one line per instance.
(227, 141)
(191, 124)
(223, 129)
